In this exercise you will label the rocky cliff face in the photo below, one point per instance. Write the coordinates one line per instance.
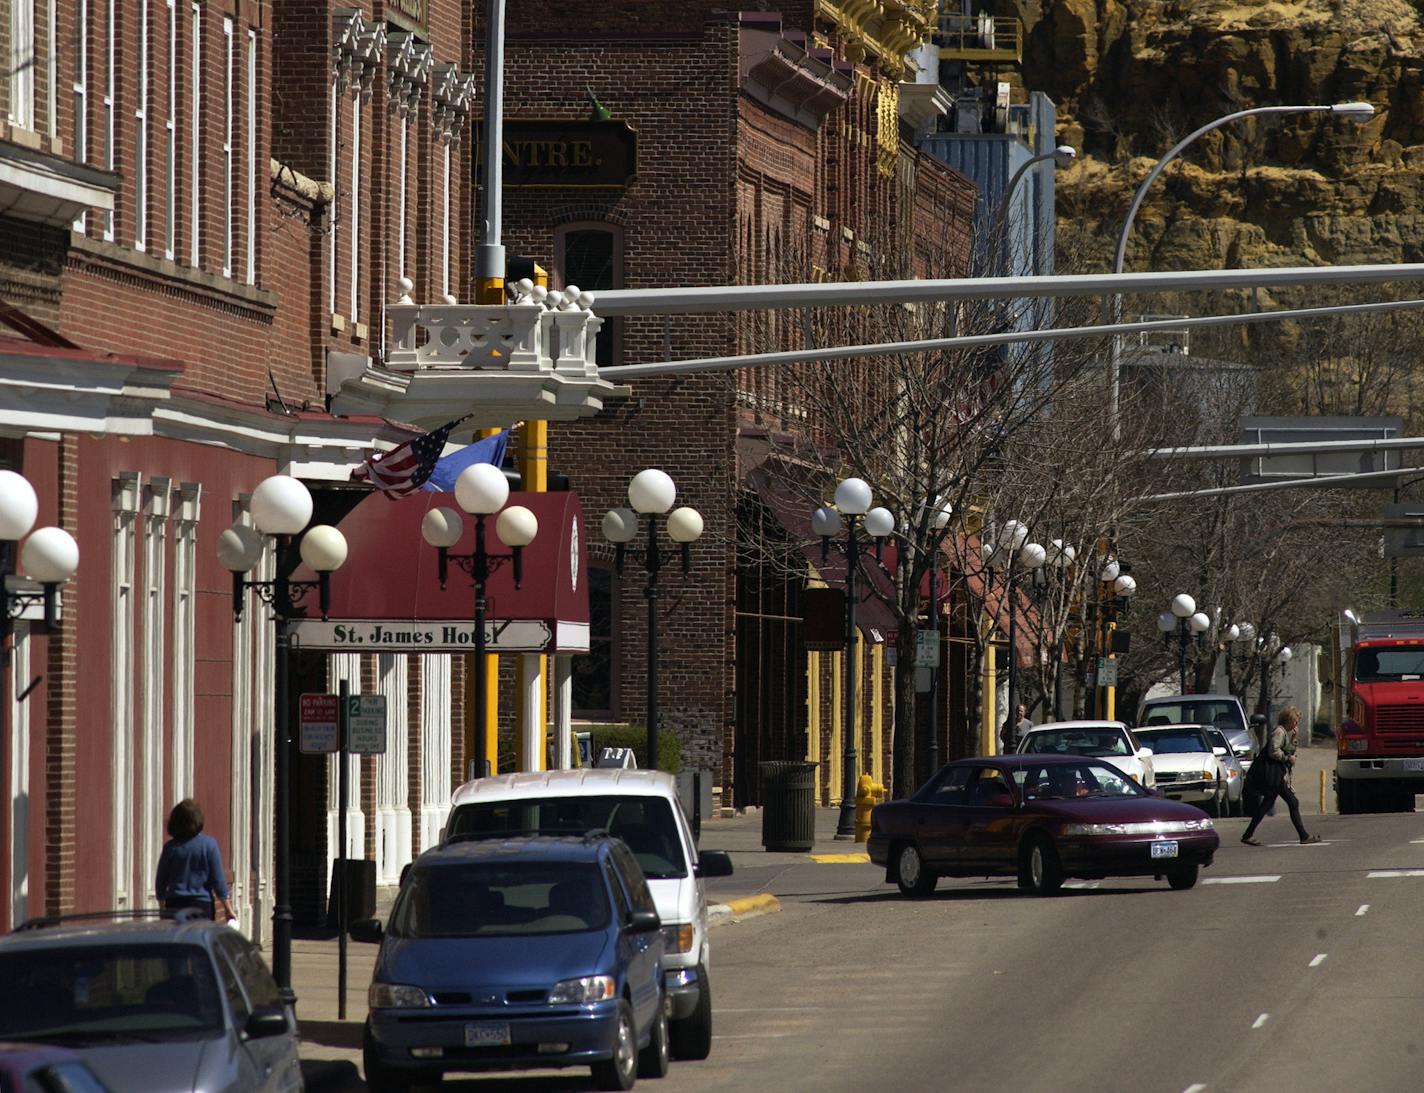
(1132, 77)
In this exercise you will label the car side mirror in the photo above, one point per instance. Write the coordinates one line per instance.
(1001, 800)
(1144, 753)
(1218, 751)
(366, 929)
(713, 863)
(266, 1022)
(643, 922)
(405, 872)
(443, 829)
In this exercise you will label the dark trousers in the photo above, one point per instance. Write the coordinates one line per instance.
(1267, 799)
(177, 903)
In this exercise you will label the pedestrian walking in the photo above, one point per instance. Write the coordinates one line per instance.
(190, 869)
(1270, 777)
(1014, 729)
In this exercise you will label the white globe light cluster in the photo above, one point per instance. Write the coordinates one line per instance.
(282, 505)
(50, 555)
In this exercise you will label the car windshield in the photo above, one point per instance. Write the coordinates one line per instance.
(1169, 741)
(646, 824)
(1203, 711)
(78, 995)
(1070, 780)
(1096, 742)
(1390, 664)
(500, 899)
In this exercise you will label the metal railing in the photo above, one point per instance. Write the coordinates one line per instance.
(979, 38)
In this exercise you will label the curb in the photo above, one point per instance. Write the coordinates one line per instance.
(737, 909)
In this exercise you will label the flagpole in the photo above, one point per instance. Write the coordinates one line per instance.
(489, 255)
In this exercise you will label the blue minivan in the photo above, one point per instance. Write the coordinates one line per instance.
(512, 953)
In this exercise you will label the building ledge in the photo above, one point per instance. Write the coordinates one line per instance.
(922, 104)
(777, 71)
(101, 253)
(43, 188)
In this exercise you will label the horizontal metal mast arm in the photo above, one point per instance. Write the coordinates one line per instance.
(1304, 447)
(1322, 482)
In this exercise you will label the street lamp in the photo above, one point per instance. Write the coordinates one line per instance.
(48, 558)
(651, 494)
(1188, 622)
(853, 503)
(282, 508)
(939, 517)
(1354, 111)
(1116, 587)
(1031, 556)
(481, 490)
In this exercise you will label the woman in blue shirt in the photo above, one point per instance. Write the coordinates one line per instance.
(190, 869)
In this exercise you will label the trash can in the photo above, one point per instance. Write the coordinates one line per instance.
(360, 890)
(788, 805)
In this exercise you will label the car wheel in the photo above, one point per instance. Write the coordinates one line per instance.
(1045, 871)
(654, 1060)
(691, 1037)
(1213, 807)
(1184, 877)
(379, 1077)
(910, 872)
(621, 1071)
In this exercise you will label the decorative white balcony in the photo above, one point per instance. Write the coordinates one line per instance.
(502, 363)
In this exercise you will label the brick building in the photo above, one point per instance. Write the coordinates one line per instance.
(770, 147)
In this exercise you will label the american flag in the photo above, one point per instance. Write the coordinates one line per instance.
(404, 469)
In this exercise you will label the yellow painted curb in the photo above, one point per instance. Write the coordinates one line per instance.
(746, 907)
(839, 859)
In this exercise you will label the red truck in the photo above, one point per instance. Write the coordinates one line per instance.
(1380, 745)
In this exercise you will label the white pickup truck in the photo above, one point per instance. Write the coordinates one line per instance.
(640, 807)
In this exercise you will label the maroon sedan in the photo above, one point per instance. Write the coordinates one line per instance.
(1039, 818)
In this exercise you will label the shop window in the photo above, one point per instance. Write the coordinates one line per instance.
(595, 681)
(591, 257)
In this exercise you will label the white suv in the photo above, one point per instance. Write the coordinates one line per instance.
(641, 808)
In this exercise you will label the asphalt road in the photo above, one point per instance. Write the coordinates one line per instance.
(1287, 968)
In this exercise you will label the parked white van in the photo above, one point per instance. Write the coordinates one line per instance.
(640, 807)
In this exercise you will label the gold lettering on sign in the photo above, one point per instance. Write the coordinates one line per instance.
(553, 154)
(412, 9)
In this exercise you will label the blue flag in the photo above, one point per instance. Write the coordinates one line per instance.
(488, 450)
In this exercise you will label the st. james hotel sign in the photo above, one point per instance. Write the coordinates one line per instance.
(566, 154)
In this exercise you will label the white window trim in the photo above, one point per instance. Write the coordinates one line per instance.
(185, 594)
(229, 93)
(52, 63)
(17, 811)
(401, 205)
(195, 132)
(170, 132)
(126, 506)
(22, 63)
(355, 310)
(141, 134)
(251, 157)
(393, 818)
(153, 671)
(335, 210)
(445, 229)
(81, 93)
(110, 107)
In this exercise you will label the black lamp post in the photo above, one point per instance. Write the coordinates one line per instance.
(1188, 623)
(48, 558)
(481, 490)
(853, 499)
(282, 508)
(651, 494)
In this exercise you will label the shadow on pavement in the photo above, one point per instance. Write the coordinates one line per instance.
(333, 1033)
(327, 1076)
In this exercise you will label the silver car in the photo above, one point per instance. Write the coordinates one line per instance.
(152, 1005)
(1231, 769)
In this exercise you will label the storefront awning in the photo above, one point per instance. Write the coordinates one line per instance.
(387, 597)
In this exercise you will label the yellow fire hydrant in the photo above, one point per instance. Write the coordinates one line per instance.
(867, 795)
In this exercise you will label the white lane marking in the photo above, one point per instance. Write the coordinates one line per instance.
(1379, 874)
(1297, 842)
(1363, 908)
(1319, 960)
(1082, 883)
(1261, 1020)
(1194, 1088)
(753, 1036)
(1265, 878)
(1416, 840)
(774, 1009)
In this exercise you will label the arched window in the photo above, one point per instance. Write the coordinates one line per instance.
(591, 257)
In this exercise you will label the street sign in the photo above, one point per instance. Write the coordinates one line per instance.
(319, 733)
(501, 636)
(366, 724)
(927, 650)
(1107, 672)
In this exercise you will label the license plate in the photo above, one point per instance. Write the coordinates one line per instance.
(1414, 764)
(487, 1034)
(1165, 849)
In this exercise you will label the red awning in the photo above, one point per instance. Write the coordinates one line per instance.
(388, 596)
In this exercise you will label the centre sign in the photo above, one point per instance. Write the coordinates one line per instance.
(350, 635)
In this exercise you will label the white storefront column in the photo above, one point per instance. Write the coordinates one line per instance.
(563, 710)
(531, 711)
(345, 666)
(18, 810)
(435, 712)
(393, 822)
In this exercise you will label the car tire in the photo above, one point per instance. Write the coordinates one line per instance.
(379, 1077)
(621, 1071)
(1213, 807)
(1183, 877)
(691, 1037)
(654, 1060)
(1045, 871)
(911, 875)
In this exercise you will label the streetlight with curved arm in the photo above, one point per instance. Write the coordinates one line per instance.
(1355, 111)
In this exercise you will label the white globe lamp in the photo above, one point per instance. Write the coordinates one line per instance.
(1199, 622)
(239, 548)
(853, 497)
(879, 522)
(1166, 622)
(825, 521)
(323, 549)
(620, 525)
(516, 526)
(481, 489)
(49, 556)
(651, 492)
(684, 525)
(1183, 606)
(1032, 555)
(18, 506)
(442, 527)
(281, 505)
(1125, 585)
